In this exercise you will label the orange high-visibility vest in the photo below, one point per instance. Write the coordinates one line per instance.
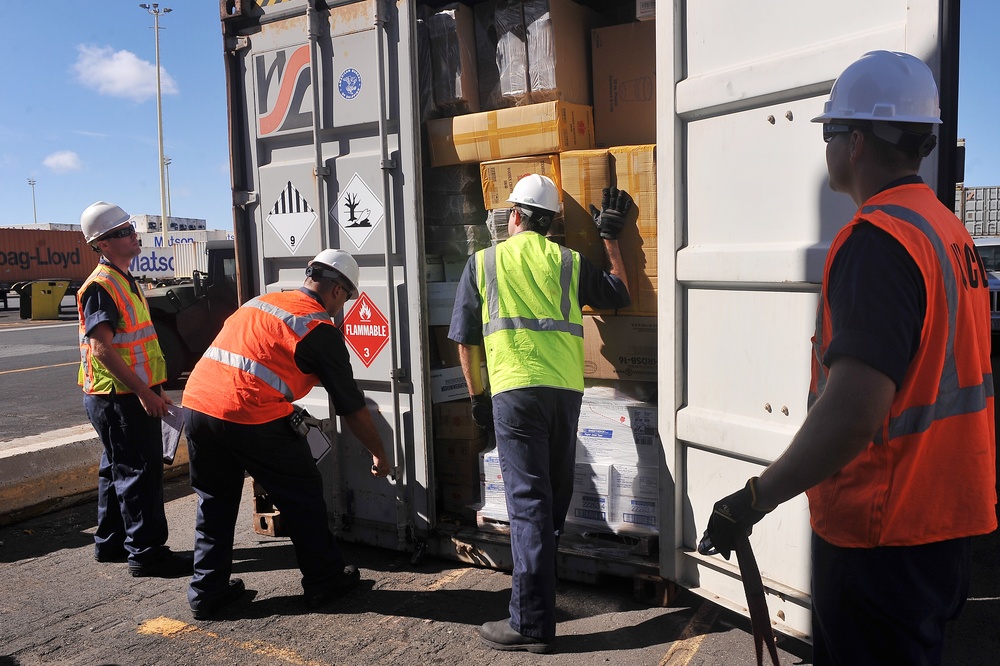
(929, 475)
(134, 337)
(249, 375)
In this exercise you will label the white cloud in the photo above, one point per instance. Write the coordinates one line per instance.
(63, 161)
(120, 73)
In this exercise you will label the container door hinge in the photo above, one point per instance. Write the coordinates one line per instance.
(244, 199)
(388, 164)
(321, 171)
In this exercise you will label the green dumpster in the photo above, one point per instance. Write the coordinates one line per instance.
(46, 297)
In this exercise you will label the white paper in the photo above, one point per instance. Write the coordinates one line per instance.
(171, 427)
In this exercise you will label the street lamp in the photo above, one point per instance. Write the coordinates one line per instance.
(155, 10)
(34, 211)
(166, 167)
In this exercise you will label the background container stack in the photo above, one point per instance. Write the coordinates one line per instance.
(566, 91)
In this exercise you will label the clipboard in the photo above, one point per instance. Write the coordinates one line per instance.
(171, 429)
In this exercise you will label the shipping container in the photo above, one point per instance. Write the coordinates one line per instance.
(327, 142)
(40, 254)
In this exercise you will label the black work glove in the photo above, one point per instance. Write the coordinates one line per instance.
(482, 411)
(615, 205)
(731, 516)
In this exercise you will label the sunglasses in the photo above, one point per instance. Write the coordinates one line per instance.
(124, 232)
(831, 130)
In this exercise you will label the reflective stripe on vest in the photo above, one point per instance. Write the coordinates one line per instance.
(901, 489)
(134, 337)
(552, 336)
(248, 374)
(952, 400)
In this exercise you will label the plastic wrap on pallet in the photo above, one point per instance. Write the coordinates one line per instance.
(453, 54)
(496, 222)
(487, 41)
(512, 53)
(425, 74)
(453, 179)
(540, 44)
(460, 240)
(453, 209)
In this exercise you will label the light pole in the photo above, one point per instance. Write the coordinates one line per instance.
(166, 166)
(34, 211)
(155, 10)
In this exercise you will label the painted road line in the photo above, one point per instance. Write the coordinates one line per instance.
(36, 327)
(39, 367)
(447, 578)
(176, 630)
(690, 639)
(47, 440)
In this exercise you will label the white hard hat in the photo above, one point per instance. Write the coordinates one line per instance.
(538, 192)
(884, 86)
(342, 265)
(101, 217)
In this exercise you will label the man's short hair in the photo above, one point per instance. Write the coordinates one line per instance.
(534, 219)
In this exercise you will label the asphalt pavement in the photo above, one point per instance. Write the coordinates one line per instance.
(58, 606)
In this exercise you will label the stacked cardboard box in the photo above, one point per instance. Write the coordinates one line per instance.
(536, 92)
(536, 129)
(458, 442)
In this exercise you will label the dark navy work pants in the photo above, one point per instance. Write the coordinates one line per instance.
(536, 443)
(130, 511)
(220, 453)
(886, 605)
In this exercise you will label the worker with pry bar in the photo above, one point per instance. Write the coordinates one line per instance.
(897, 453)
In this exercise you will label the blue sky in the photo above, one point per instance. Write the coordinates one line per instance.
(79, 107)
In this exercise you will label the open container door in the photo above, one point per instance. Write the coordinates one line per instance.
(745, 204)
(324, 148)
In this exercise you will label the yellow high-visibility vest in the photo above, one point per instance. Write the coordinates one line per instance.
(532, 321)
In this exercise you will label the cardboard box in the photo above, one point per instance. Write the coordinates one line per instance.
(500, 176)
(453, 52)
(453, 420)
(590, 509)
(635, 481)
(489, 466)
(558, 35)
(635, 171)
(645, 10)
(450, 210)
(634, 514)
(458, 498)
(583, 176)
(454, 267)
(619, 347)
(535, 129)
(433, 268)
(621, 431)
(459, 240)
(456, 461)
(448, 384)
(624, 85)
(440, 302)
(447, 350)
(589, 477)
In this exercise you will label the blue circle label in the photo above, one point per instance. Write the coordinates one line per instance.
(350, 83)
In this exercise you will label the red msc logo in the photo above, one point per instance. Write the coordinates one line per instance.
(282, 83)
